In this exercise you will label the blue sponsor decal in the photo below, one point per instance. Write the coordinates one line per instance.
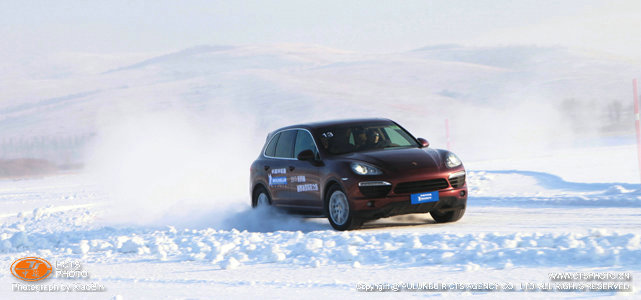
(424, 197)
(280, 180)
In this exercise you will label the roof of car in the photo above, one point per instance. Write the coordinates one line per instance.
(321, 124)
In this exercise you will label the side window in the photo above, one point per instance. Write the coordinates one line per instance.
(271, 148)
(285, 146)
(304, 142)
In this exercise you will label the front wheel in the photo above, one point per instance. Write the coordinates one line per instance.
(448, 216)
(338, 210)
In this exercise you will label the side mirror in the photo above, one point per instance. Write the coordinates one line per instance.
(307, 155)
(424, 143)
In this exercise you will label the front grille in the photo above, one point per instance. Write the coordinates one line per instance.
(421, 186)
(458, 181)
(375, 190)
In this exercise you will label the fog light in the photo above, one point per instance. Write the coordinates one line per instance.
(370, 204)
(462, 193)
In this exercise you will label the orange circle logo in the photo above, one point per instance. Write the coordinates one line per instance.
(31, 269)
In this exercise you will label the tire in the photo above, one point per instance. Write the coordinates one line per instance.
(338, 210)
(448, 216)
(261, 198)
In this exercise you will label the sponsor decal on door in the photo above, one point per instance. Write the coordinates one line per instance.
(307, 187)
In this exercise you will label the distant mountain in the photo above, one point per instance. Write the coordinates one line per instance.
(485, 92)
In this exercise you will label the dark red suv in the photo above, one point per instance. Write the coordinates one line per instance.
(357, 170)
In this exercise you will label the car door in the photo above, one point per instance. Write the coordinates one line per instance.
(304, 177)
(279, 158)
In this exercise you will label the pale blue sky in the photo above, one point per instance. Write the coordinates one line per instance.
(378, 26)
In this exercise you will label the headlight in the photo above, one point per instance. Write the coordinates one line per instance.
(451, 160)
(365, 169)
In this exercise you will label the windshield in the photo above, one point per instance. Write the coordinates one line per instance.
(343, 139)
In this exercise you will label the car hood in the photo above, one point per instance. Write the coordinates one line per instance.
(401, 159)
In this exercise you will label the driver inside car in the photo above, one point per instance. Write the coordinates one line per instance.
(374, 139)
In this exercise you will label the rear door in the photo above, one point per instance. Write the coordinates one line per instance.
(304, 177)
(279, 158)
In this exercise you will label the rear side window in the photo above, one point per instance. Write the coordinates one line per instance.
(304, 142)
(285, 146)
(271, 148)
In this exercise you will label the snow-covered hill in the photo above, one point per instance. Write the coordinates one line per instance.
(480, 91)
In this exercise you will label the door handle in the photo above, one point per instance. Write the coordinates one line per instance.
(291, 168)
(266, 168)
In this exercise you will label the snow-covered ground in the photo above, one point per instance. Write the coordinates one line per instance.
(521, 225)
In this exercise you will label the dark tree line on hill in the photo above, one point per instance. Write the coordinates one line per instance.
(608, 117)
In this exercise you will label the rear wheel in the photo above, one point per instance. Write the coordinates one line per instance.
(261, 198)
(338, 210)
(447, 216)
